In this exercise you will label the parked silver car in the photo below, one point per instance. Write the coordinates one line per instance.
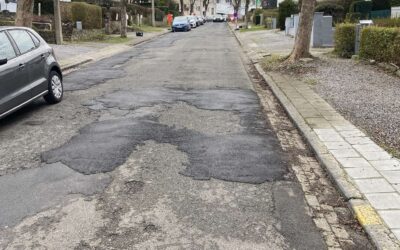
(28, 70)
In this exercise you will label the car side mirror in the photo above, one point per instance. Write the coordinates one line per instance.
(3, 61)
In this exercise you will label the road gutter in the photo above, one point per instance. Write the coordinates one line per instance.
(380, 235)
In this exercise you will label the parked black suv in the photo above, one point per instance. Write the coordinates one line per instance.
(28, 70)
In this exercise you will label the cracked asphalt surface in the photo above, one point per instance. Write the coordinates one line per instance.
(165, 146)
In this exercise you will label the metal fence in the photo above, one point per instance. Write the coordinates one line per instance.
(380, 14)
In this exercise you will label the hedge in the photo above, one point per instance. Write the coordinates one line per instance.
(381, 4)
(332, 9)
(381, 44)
(387, 22)
(286, 9)
(345, 37)
(395, 3)
(90, 15)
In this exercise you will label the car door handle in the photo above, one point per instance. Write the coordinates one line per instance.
(21, 66)
(43, 56)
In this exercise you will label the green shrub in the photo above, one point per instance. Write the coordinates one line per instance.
(387, 22)
(345, 37)
(286, 9)
(381, 44)
(6, 23)
(332, 9)
(395, 3)
(90, 15)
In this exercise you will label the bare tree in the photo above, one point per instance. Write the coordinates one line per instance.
(182, 7)
(246, 12)
(24, 13)
(123, 3)
(205, 4)
(236, 5)
(191, 2)
(303, 38)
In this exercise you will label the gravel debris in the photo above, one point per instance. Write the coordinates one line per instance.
(364, 94)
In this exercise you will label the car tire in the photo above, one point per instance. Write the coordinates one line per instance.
(55, 88)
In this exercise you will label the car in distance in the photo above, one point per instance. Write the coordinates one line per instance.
(192, 21)
(219, 18)
(28, 70)
(181, 23)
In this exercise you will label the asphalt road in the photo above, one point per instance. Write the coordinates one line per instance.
(165, 146)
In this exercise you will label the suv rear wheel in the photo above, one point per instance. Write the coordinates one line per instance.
(55, 87)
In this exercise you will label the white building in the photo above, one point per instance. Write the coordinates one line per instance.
(11, 6)
(226, 7)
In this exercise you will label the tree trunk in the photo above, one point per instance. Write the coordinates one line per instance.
(191, 6)
(24, 13)
(246, 12)
(123, 18)
(303, 37)
(182, 7)
(108, 22)
(58, 22)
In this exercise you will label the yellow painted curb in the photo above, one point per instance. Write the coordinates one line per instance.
(366, 215)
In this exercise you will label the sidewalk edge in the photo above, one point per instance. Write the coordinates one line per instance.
(361, 208)
(88, 60)
(366, 215)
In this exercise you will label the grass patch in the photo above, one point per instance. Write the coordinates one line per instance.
(147, 28)
(115, 39)
(273, 62)
(253, 28)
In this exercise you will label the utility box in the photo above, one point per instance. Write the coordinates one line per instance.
(79, 25)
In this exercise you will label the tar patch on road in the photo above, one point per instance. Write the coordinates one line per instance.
(251, 155)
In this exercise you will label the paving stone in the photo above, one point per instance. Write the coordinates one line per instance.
(386, 164)
(392, 176)
(362, 173)
(358, 140)
(344, 153)
(337, 145)
(374, 156)
(318, 123)
(324, 131)
(396, 232)
(391, 218)
(352, 133)
(312, 201)
(353, 162)
(368, 148)
(384, 200)
(374, 186)
(340, 232)
(332, 218)
(343, 126)
(330, 138)
(322, 224)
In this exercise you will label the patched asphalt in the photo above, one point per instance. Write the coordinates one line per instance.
(175, 152)
(252, 155)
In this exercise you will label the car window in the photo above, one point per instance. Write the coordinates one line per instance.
(23, 40)
(6, 49)
(35, 39)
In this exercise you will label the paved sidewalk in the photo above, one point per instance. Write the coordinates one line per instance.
(367, 175)
(74, 54)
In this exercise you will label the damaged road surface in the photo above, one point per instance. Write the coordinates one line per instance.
(165, 146)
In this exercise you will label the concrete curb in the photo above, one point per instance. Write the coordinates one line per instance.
(368, 218)
(366, 215)
(86, 59)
